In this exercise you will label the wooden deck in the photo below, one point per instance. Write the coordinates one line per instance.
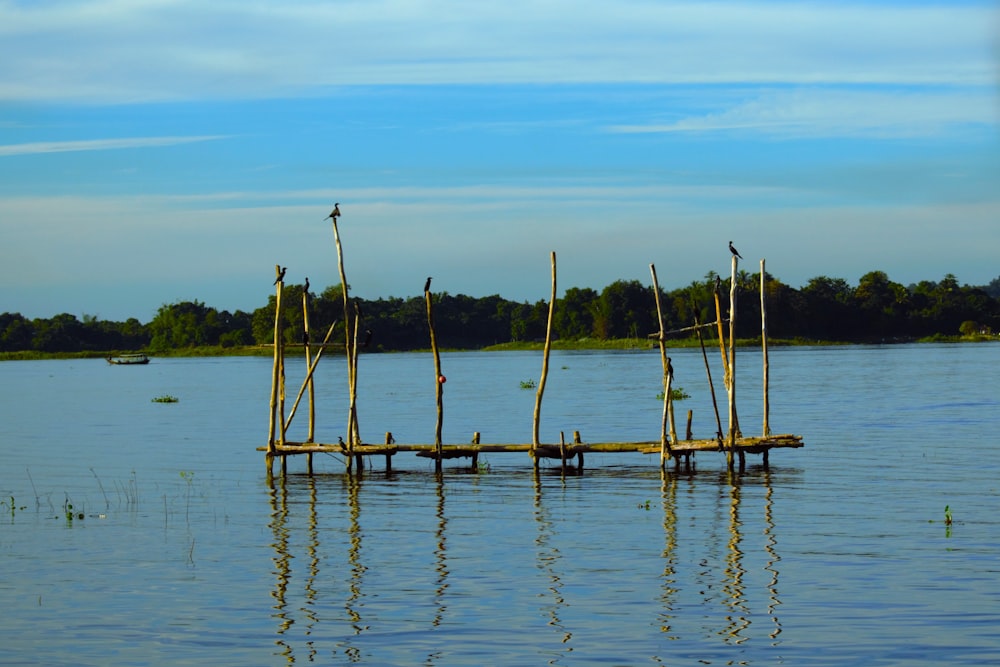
(564, 453)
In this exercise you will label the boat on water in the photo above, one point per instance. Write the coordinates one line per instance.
(136, 359)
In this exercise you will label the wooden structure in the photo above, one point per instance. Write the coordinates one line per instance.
(732, 442)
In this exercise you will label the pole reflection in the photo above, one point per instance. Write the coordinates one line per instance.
(282, 564)
(548, 557)
(712, 565)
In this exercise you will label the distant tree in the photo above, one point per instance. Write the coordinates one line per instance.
(16, 332)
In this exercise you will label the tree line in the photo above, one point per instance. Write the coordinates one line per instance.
(825, 309)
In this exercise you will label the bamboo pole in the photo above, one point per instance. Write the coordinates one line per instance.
(711, 385)
(439, 381)
(732, 364)
(722, 337)
(311, 433)
(308, 379)
(274, 369)
(545, 364)
(347, 336)
(763, 345)
(355, 430)
(667, 377)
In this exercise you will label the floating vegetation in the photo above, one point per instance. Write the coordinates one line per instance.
(947, 515)
(528, 384)
(677, 394)
(166, 398)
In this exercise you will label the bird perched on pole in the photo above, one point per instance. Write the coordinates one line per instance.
(306, 287)
(335, 213)
(427, 285)
(670, 368)
(281, 275)
(368, 338)
(734, 251)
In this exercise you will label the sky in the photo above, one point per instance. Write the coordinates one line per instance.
(159, 151)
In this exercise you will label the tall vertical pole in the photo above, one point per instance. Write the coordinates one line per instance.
(439, 380)
(667, 378)
(347, 342)
(275, 370)
(732, 364)
(545, 366)
(763, 345)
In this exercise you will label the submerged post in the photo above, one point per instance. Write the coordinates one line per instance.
(763, 346)
(439, 379)
(545, 365)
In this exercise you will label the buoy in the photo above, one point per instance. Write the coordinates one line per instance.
(442, 379)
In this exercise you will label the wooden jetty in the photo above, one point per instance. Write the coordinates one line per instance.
(354, 450)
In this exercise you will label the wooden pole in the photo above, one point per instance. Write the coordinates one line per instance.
(347, 338)
(275, 367)
(438, 382)
(311, 433)
(722, 337)
(355, 430)
(711, 385)
(309, 376)
(545, 365)
(667, 377)
(763, 346)
(732, 363)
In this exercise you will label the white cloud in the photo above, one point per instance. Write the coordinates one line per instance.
(830, 113)
(114, 50)
(99, 144)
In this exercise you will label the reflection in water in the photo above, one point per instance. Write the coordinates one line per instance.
(735, 598)
(357, 569)
(719, 570)
(440, 555)
(548, 558)
(773, 558)
(282, 563)
(668, 494)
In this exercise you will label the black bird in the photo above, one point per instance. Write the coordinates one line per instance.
(357, 309)
(670, 368)
(335, 213)
(340, 441)
(306, 288)
(281, 275)
(427, 285)
(368, 338)
(734, 250)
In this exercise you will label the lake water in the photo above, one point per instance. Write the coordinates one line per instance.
(185, 555)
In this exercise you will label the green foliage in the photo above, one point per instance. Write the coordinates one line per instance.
(827, 309)
(166, 398)
(528, 384)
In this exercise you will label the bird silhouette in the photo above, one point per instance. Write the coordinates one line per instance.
(427, 285)
(357, 309)
(335, 213)
(306, 288)
(340, 441)
(281, 275)
(670, 368)
(368, 338)
(734, 251)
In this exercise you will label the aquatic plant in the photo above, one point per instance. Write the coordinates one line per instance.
(528, 384)
(677, 394)
(947, 515)
(166, 398)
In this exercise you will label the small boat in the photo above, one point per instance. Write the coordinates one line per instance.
(136, 359)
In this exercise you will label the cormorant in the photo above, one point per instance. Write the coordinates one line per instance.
(306, 288)
(357, 309)
(368, 338)
(734, 251)
(335, 213)
(427, 285)
(670, 368)
(281, 275)
(340, 441)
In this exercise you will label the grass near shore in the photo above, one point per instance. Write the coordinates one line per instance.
(624, 344)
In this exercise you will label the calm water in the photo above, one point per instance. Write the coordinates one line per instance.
(838, 555)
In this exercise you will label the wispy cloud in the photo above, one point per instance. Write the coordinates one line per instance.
(819, 112)
(115, 50)
(100, 144)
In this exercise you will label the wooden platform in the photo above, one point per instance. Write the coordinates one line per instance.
(681, 448)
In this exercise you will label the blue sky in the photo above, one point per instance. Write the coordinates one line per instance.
(159, 151)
